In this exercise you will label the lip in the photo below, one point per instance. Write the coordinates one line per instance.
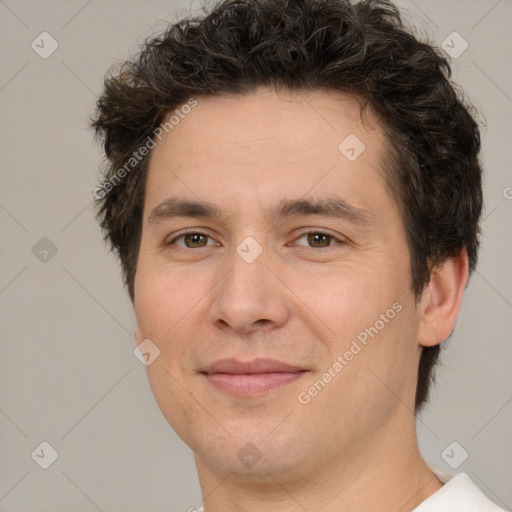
(251, 378)
(256, 366)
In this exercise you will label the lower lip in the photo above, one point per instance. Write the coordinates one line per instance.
(253, 384)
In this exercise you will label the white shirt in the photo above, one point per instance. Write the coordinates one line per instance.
(458, 494)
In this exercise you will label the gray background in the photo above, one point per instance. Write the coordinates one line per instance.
(68, 374)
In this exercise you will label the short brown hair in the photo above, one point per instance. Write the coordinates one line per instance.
(302, 45)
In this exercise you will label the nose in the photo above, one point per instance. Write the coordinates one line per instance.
(250, 297)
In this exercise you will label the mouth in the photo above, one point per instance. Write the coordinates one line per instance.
(251, 378)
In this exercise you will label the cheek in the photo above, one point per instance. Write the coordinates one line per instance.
(165, 300)
(172, 396)
(345, 300)
(365, 309)
(171, 307)
(163, 296)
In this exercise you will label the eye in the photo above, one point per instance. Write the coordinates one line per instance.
(319, 239)
(191, 240)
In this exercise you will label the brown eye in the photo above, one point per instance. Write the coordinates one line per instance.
(193, 240)
(319, 239)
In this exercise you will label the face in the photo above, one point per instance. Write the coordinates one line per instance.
(274, 278)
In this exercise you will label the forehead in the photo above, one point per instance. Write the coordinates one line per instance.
(264, 116)
(264, 144)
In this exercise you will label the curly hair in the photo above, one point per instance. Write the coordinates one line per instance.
(364, 49)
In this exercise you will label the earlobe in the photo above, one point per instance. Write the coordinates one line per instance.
(441, 300)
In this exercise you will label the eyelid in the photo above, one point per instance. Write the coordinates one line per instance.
(183, 232)
(306, 231)
(321, 231)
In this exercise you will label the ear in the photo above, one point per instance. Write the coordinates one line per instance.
(441, 299)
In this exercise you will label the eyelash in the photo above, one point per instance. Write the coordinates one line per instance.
(196, 232)
(333, 238)
(184, 233)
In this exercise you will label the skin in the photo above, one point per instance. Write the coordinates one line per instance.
(353, 446)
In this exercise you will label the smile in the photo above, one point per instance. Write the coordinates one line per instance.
(251, 378)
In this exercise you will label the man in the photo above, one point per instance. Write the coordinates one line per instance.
(294, 192)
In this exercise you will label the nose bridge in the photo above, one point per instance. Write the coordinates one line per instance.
(250, 295)
(246, 279)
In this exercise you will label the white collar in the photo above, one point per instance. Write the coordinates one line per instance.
(459, 493)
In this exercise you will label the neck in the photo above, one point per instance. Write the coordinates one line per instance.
(385, 472)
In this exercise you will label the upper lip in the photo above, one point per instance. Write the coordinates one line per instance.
(234, 366)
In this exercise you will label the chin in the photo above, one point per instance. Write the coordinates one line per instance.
(253, 452)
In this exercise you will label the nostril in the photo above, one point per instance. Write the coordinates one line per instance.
(263, 321)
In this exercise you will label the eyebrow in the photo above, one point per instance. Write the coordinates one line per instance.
(174, 207)
(334, 207)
